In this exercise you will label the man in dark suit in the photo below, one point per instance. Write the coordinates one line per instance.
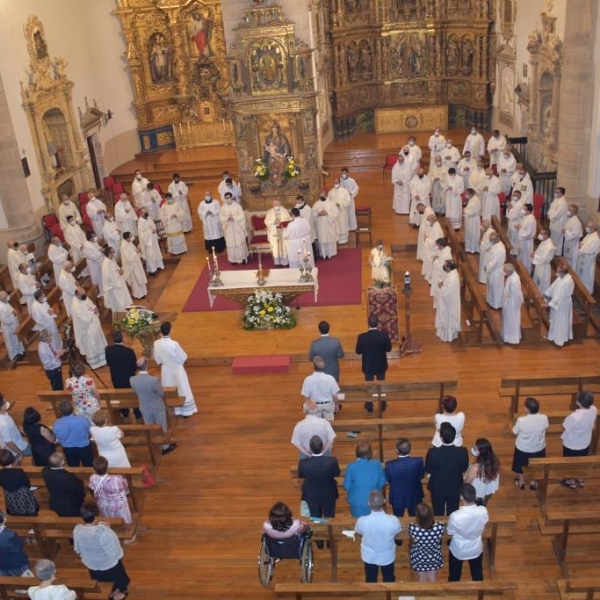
(373, 346)
(319, 488)
(329, 348)
(446, 466)
(404, 475)
(151, 396)
(121, 362)
(65, 489)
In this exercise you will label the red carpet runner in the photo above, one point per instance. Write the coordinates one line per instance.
(340, 281)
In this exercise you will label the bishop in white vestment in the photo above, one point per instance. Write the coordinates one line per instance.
(326, 218)
(233, 222)
(560, 302)
(133, 270)
(586, 258)
(116, 295)
(512, 300)
(170, 355)
(10, 323)
(273, 222)
(542, 257)
(447, 315)
(87, 330)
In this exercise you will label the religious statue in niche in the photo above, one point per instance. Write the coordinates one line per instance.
(352, 61)
(452, 56)
(467, 54)
(267, 66)
(160, 54)
(409, 57)
(200, 30)
(206, 78)
(41, 49)
(406, 5)
(365, 60)
(277, 149)
(355, 6)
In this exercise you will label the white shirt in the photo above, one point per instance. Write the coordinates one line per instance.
(531, 433)
(378, 531)
(9, 432)
(309, 426)
(578, 427)
(48, 357)
(320, 387)
(466, 525)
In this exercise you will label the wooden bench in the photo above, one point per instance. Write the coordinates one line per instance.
(82, 585)
(552, 470)
(389, 591)
(398, 392)
(35, 475)
(48, 528)
(586, 585)
(5, 280)
(331, 531)
(517, 388)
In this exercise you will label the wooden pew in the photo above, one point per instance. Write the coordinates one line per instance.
(389, 591)
(82, 585)
(398, 392)
(48, 528)
(520, 388)
(35, 475)
(115, 399)
(552, 470)
(5, 280)
(331, 531)
(584, 304)
(590, 586)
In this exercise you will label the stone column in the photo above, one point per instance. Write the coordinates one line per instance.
(22, 223)
(576, 98)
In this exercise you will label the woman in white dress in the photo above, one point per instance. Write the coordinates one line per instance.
(484, 473)
(457, 420)
(108, 440)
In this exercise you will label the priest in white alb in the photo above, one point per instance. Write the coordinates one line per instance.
(589, 248)
(133, 270)
(116, 294)
(209, 212)
(27, 284)
(341, 198)
(273, 222)
(475, 144)
(472, 216)
(447, 312)
(67, 285)
(111, 234)
(560, 302)
(495, 147)
(450, 155)
(484, 247)
(514, 216)
(558, 213)
(179, 190)
(512, 301)
(453, 188)
(57, 255)
(466, 166)
(572, 233)
(477, 178)
(507, 165)
(87, 330)
(432, 231)
(75, 237)
(67, 208)
(45, 318)
(436, 143)
(125, 215)
(172, 219)
(170, 355)
(442, 253)
(10, 323)
(13, 259)
(149, 246)
(94, 256)
(349, 184)
(490, 206)
(401, 176)
(526, 230)
(297, 241)
(138, 187)
(521, 181)
(437, 175)
(542, 259)
(496, 257)
(420, 193)
(152, 200)
(307, 213)
(424, 212)
(234, 226)
(325, 213)
(96, 211)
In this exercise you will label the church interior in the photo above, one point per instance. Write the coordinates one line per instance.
(92, 91)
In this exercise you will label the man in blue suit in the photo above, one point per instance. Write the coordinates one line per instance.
(404, 475)
(329, 348)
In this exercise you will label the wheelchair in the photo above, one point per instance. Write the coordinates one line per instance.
(298, 547)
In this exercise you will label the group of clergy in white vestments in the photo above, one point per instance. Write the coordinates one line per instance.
(295, 236)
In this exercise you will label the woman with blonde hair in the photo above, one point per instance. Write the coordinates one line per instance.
(108, 440)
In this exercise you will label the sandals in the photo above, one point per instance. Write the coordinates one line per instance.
(570, 483)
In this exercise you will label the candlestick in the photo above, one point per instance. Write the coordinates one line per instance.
(213, 251)
(189, 128)
(208, 264)
(180, 132)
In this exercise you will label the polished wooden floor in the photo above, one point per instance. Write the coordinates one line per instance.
(200, 525)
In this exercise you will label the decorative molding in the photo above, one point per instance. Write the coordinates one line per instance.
(403, 120)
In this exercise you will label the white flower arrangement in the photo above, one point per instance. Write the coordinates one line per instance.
(266, 310)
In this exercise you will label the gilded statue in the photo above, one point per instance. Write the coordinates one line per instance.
(277, 149)
(160, 55)
(200, 31)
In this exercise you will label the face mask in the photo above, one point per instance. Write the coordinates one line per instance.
(94, 239)
(59, 244)
(138, 177)
(541, 237)
(473, 131)
(43, 299)
(448, 145)
(437, 134)
(515, 198)
(83, 297)
(345, 176)
(336, 186)
(488, 177)
(569, 213)
(411, 143)
(588, 230)
(208, 197)
(299, 206)
(474, 452)
(72, 269)
(66, 202)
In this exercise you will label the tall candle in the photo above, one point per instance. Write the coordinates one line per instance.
(180, 131)
(208, 263)
(213, 252)
(189, 128)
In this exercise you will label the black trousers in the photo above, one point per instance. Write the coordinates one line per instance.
(455, 568)
(83, 456)
(56, 378)
(444, 504)
(372, 571)
(372, 377)
(322, 509)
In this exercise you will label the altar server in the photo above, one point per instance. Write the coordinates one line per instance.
(172, 219)
(125, 215)
(326, 217)
(447, 315)
(133, 270)
(10, 323)
(453, 189)
(45, 318)
(420, 193)
(560, 302)
(87, 330)
(297, 240)
(512, 300)
(350, 185)
(273, 221)
(401, 176)
(490, 202)
(68, 285)
(542, 259)
(57, 255)
(472, 215)
(149, 247)
(572, 232)
(586, 259)
(233, 222)
(228, 185)
(209, 212)
(170, 355)
(116, 295)
(179, 191)
(496, 257)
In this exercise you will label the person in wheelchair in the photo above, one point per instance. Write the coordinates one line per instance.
(281, 525)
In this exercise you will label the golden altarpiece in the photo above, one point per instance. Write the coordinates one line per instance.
(176, 54)
(48, 102)
(273, 105)
(402, 65)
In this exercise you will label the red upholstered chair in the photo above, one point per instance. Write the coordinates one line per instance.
(538, 207)
(118, 189)
(49, 221)
(57, 231)
(258, 238)
(390, 161)
(83, 199)
(109, 183)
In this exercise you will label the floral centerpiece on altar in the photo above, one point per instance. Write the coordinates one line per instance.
(266, 310)
(142, 324)
(291, 168)
(261, 171)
